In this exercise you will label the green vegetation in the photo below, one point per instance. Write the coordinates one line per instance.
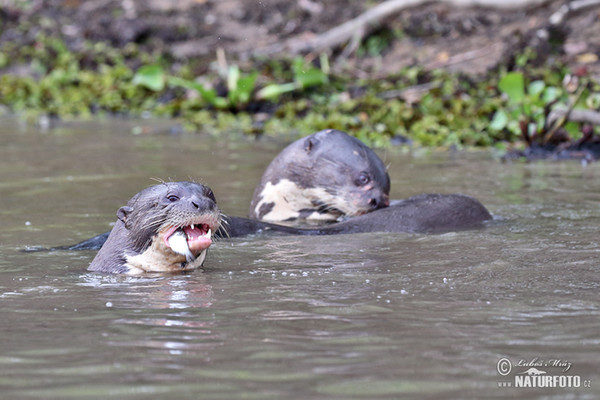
(276, 96)
(241, 89)
(527, 108)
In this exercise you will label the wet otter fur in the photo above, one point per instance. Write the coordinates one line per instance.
(163, 228)
(324, 176)
(425, 213)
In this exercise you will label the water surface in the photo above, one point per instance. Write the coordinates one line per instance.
(346, 317)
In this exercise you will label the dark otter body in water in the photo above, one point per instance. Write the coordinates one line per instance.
(324, 176)
(425, 213)
(164, 228)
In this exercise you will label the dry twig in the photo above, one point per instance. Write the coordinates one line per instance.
(360, 26)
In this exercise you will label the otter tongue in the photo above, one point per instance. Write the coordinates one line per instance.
(197, 238)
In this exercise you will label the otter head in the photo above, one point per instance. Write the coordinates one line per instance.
(168, 227)
(326, 175)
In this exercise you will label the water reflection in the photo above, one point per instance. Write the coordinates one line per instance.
(160, 292)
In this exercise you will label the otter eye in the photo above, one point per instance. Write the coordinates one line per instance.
(210, 194)
(172, 198)
(362, 180)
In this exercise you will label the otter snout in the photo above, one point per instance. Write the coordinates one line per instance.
(379, 201)
(368, 200)
(202, 203)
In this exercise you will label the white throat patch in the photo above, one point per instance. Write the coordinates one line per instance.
(159, 258)
(297, 198)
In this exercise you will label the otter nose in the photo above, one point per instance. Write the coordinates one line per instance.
(379, 202)
(202, 203)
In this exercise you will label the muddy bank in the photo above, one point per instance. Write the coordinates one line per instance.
(471, 40)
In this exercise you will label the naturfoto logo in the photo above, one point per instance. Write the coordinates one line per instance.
(539, 373)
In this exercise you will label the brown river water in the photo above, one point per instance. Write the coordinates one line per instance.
(369, 316)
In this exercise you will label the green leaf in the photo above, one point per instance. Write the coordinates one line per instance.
(233, 77)
(536, 88)
(499, 121)
(550, 94)
(514, 127)
(307, 76)
(151, 77)
(209, 95)
(243, 91)
(593, 101)
(513, 85)
(275, 90)
(311, 77)
(220, 102)
(573, 128)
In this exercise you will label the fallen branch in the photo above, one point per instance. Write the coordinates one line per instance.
(569, 8)
(372, 18)
(411, 94)
(344, 32)
(575, 115)
(466, 56)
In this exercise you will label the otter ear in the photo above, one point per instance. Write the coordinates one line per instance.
(123, 213)
(310, 143)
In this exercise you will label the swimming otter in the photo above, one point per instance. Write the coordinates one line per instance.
(321, 166)
(164, 228)
(324, 176)
(425, 213)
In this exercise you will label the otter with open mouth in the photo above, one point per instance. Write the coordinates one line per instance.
(164, 228)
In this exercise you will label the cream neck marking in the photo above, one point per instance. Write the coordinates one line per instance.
(297, 198)
(159, 258)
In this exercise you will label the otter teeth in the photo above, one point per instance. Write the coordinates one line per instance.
(208, 233)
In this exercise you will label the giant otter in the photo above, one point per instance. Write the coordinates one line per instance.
(164, 228)
(132, 250)
(324, 176)
(341, 179)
